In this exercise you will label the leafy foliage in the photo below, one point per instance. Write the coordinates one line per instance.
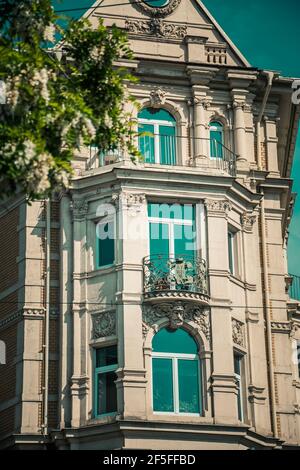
(55, 100)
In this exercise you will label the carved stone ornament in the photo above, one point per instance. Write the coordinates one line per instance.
(218, 206)
(247, 222)
(156, 27)
(152, 10)
(238, 336)
(157, 98)
(104, 324)
(177, 314)
(79, 208)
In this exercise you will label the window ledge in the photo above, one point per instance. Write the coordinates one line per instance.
(102, 271)
(179, 418)
(105, 419)
(236, 280)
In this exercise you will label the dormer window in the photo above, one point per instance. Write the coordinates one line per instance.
(216, 131)
(157, 136)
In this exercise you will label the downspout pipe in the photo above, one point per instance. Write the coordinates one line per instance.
(270, 362)
(270, 77)
(47, 318)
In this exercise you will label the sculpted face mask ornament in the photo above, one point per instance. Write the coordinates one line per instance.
(158, 8)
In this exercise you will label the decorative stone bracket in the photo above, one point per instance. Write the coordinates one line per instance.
(177, 314)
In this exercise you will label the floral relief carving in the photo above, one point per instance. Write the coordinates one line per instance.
(79, 208)
(247, 222)
(176, 313)
(238, 336)
(156, 27)
(218, 206)
(104, 324)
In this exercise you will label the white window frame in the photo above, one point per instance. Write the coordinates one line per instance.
(156, 125)
(200, 227)
(238, 377)
(175, 357)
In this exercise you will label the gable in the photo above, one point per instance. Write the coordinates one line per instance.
(176, 30)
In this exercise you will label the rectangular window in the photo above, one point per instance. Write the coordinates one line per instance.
(105, 243)
(233, 252)
(188, 382)
(176, 385)
(238, 375)
(106, 363)
(163, 385)
(172, 230)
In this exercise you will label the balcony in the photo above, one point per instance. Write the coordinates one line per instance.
(213, 155)
(182, 278)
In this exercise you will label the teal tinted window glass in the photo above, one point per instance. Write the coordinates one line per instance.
(230, 251)
(106, 393)
(184, 240)
(159, 239)
(105, 244)
(157, 3)
(172, 211)
(106, 356)
(188, 377)
(162, 381)
(216, 140)
(167, 145)
(178, 341)
(237, 364)
(154, 114)
(146, 142)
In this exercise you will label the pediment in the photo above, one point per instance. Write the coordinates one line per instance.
(177, 30)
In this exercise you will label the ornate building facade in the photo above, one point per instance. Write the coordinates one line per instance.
(148, 306)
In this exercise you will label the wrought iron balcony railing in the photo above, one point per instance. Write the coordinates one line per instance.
(184, 276)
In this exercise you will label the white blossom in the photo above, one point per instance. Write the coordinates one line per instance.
(49, 33)
(97, 53)
(89, 127)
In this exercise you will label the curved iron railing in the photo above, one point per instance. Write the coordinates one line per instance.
(184, 273)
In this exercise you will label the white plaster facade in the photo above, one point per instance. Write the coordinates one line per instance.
(188, 66)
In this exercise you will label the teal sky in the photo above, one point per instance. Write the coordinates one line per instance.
(267, 32)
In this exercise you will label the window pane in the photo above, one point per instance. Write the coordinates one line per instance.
(188, 386)
(154, 114)
(106, 393)
(159, 239)
(216, 140)
(230, 251)
(237, 364)
(106, 244)
(184, 240)
(106, 356)
(162, 385)
(146, 142)
(167, 145)
(178, 341)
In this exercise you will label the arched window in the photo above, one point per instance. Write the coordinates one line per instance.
(176, 375)
(157, 136)
(216, 140)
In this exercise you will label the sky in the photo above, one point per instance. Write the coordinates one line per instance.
(267, 32)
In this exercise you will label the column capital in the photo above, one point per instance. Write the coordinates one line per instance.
(218, 207)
